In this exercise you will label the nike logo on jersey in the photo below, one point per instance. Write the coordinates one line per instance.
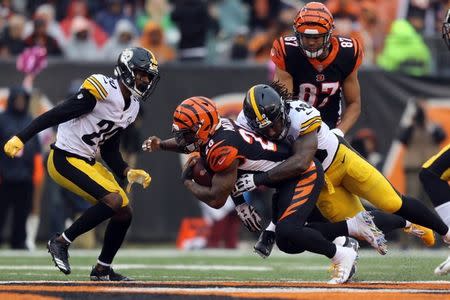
(309, 112)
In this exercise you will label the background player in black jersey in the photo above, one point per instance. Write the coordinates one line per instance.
(319, 68)
(93, 120)
(435, 173)
(227, 148)
(348, 175)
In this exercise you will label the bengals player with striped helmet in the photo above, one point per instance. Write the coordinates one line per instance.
(317, 67)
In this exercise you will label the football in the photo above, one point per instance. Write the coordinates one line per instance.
(200, 174)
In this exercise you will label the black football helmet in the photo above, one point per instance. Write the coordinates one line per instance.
(136, 58)
(446, 29)
(265, 111)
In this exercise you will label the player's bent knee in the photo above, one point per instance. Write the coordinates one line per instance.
(392, 206)
(113, 200)
(426, 176)
(123, 214)
(286, 234)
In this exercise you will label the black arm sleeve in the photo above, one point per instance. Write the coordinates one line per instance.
(111, 155)
(71, 108)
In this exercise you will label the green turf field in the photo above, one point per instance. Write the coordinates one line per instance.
(222, 265)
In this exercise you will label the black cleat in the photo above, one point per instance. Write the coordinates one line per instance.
(107, 274)
(264, 245)
(60, 255)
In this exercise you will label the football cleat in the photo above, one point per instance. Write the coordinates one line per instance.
(365, 229)
(264, 245)
(342, 266)
(425, 234)
(443, 268)
(60, 254)
(107, 274)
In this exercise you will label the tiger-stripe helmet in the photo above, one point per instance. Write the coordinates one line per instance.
(194, 121)
(314, 20)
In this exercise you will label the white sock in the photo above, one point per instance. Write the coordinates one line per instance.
(65, 237)
(271, 227)
(103, 264)
(31, 226)
(443, 211)
(352, 227)
(339, 241)
(408, 224)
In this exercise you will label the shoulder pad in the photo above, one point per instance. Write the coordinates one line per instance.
(220, 157)
(278, 53)
(97, 85)
(306, 117)
(352, 50)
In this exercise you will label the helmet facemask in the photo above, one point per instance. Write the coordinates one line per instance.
(187, 139)
(317, 51)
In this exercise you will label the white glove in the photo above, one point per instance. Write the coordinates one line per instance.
(243, 184)
(337, 132)
(249, 216)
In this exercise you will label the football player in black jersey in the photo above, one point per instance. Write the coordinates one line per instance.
(435, 173)
(319, 68)
(227, 149)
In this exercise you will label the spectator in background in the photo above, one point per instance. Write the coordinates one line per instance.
(11, 39)
(263, 14)
(18, 176)
(80, 8)
(81, 45)
(239, 49)
(124, 36)
(40, 37)
(110, 15)
(421, 137)
(365, 142)
(153, 38)
(193, 21)
(46, 12)
(405, 51)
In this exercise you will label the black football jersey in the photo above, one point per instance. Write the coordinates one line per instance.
(319, 83)
(231, 142)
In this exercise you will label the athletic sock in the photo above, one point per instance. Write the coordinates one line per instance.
(387, 222)
(88, 220)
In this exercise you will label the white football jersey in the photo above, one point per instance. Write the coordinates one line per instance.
(304, 119)
(84, 135)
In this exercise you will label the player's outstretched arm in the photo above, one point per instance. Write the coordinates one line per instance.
(154, 143)
(75, 106)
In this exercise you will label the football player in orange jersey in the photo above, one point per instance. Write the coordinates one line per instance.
(227, 148)
(318, 68)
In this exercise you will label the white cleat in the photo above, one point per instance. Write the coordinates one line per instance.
(443, 268)
(342, 265)
(365, 229)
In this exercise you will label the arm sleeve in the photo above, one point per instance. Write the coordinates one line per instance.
(111, 155)
(73, 107)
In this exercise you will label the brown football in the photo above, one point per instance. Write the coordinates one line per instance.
(200, 174)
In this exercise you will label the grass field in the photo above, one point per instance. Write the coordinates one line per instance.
(162, 268)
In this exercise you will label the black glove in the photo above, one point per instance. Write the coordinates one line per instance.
(249, 216)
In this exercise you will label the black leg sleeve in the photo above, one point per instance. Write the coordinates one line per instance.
(387, 222)
(114, 235)
(437, 189)
(330, 230)
(93, 216)
(416, 212)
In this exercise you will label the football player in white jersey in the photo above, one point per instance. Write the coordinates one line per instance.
(89, 122)
(347, 175)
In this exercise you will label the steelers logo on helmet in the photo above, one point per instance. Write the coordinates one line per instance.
(194, 121)
(313, 27)
(137, 68)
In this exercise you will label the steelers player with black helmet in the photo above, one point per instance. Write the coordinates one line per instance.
(89, 122)
(435, 173)
(347, 175)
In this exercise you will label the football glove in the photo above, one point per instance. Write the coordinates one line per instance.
(249, 216)
(337, 132)
(244, 183)
(13, 146)
(138, 176)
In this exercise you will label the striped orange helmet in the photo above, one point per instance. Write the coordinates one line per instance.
(314, 20)
(194, 121)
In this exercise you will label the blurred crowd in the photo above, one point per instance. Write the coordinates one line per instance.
(214, 30)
